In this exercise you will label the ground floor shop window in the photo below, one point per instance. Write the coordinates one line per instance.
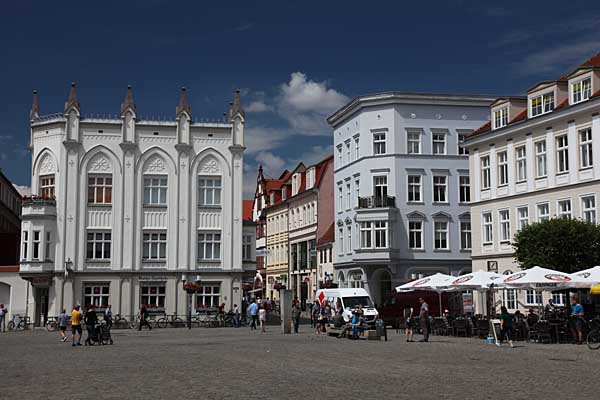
(208, 296)
(533, 297)
(558, 299)
(96, 294)
(153, 296)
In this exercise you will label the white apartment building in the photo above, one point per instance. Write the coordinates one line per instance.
(128, 209)
(538, 158)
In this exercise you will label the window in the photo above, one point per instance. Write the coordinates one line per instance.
(356, 148)
(349, 233)
(564, 209)
(208, 296)
(153, 295)
(209, 246)
(348, 154)
(543, 212)
(414, 188)
(585, 148)
(558, 299)
(340, 155)
(510, 298)
(47, 254)
(465, 235)
(24, 249)
(413, 142)
(540, 159)
(155, 190)
(340, 241)
(542, 104)
(415, 234)
(439, 189)
(439, 143)
(96, 294)
(47, 186)
(99, 190)
(504, 217)
(501, 118)
(582, 90)
(348, 196)
(441, 235)
(247, 247)
(502, 158)
(588, 208)
(37, 240)
(464, 189)
(562, 153)
(380, 186)
(380, 234)
(488, 231)
(533, 297)
(340, 198)
(357, 190)
(485, 172)
(209, 191)
(154, 246)
(522, 217)
(462, 150)
(365, 235)
(98, 245)
(521, 164)
(379, 143)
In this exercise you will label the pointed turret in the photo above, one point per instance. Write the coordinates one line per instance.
(236, 107)
(72, 102)
(128, 104)
(35, 108)
(183, 105)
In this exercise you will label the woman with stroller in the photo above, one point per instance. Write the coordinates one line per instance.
(91, 319)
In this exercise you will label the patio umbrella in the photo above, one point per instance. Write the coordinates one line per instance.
(475, 280)
(437, 283)
(585, 279)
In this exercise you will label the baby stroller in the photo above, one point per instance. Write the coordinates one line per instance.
(104, 334)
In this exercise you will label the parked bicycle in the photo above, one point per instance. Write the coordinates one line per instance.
(120, 322)
(593, 337)
(172, 321)
(18, 323)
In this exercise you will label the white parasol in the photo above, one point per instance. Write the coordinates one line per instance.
(537, 278)
(475, 281)
(437, 283)
(585, 279)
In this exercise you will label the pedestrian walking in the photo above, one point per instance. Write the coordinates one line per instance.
(253, 311)
(506, 327)
(315, 312)
(144, 318)
(3, 314)
(296, 315)
(76, 330)
(108, 317)
(236, 316)
(408, 320)
(91, 319)
(62, 325)
(424, 318)
(262, 318)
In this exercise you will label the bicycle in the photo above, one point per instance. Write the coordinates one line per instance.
(120, 322)
(593, 337)
(18, 323)
(172, 320)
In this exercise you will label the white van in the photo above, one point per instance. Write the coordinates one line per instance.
(349, 299)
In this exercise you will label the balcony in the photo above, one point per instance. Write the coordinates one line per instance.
(38, 207)
(377, 202)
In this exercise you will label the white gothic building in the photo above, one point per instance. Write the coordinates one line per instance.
(125, 210)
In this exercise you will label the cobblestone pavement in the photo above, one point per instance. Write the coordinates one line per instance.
(237, 363)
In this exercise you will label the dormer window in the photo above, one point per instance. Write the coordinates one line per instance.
(295, 184)
(501, 118)
(542, 104)
(272, 198)
(582, 90)
(283, 194)
(310, 178)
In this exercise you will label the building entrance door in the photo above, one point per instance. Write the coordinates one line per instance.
(41, 306)
(303, 295)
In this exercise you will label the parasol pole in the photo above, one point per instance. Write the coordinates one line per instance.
(440, 298)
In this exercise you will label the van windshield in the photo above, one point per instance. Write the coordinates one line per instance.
(353, 302)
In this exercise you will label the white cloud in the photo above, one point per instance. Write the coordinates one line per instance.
(306, 104)
(258, 106)
(263, 138)
(557, 58)
(23, 190)
(272, 164)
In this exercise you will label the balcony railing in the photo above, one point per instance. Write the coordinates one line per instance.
(38, 201)
(377, 202)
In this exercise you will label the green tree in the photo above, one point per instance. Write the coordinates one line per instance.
(565, 245)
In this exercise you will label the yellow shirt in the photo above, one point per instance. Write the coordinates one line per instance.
(75, 317)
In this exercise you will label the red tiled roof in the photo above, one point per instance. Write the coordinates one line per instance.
(593, 61)
(247, 206)
(519, 117)
(327, 237)
(483, 129)
(563, 104)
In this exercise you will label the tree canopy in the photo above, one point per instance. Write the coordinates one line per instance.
(565, 245)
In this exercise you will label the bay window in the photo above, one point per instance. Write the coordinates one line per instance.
(373, 235)
(47, 187)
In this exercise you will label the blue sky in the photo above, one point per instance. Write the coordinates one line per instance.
(295, 62)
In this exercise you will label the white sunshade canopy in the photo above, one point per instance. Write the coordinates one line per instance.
(475, 280)
(537, 278)
(437, 282)
(586, 278)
